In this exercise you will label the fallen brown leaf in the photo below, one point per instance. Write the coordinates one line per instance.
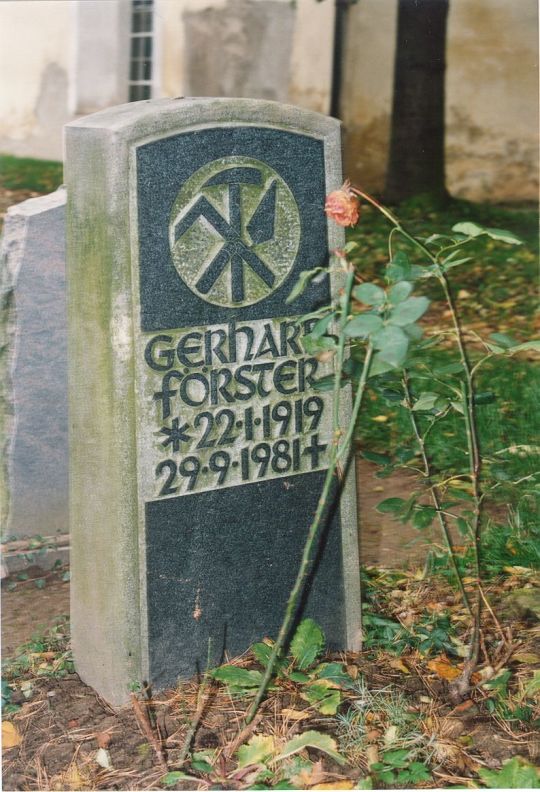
(399, 665)
(464, 706)
(345, 784)
(444, 669)
(10, 735)
(372, 755)
(75, 778)
(293, 714)
(451, 727)
(308, 777)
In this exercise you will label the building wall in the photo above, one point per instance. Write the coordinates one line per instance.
(366, 93)
(491, 96)
(100, 66)
(35, 62)
(492, 99)
(63, 58)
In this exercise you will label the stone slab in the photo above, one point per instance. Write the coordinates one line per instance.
(34, 370)
(198, 441)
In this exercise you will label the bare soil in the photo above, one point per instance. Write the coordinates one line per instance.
(64, 728)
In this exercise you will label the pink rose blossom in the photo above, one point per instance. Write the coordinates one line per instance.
(342, 206)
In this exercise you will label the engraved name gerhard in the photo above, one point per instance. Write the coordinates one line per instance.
(234, 403)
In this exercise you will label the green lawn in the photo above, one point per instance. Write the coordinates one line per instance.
(496, 292)
(24, 173)
(501, 281)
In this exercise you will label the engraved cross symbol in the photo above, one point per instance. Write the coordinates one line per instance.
(236, 251)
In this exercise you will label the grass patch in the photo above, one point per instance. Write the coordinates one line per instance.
(495, 285)
(24, 173)
(494, 294)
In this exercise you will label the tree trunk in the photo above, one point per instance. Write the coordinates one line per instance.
(416, 162)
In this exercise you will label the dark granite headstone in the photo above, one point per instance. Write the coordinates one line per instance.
(199, 443)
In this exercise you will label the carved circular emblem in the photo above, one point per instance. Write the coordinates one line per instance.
(234, 231)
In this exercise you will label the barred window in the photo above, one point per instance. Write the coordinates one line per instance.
(140, 65)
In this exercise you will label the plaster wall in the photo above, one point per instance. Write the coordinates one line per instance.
(101, 54)
(366, 93)
(35, 62)
(492, 99)
(259, 48)
(310, 79)
(491, 96)
(250, 53)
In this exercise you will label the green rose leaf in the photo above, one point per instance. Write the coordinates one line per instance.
(450, 263)
(303, 282)
(379, 366)
(369, 293)
(468, 229)
(391, 506)
(424, 517)
(399, 268)
(426, 401)
(392, 344)
(314, 345)
(533, 346)
(363, 325)
(320, 328)
(473, 230)
(409, 311)
(399, 292)
(325, 383)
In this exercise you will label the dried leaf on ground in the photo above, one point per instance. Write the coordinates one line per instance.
(75, 778)
(10, 735)
(295, 715)
(399, 665)
(444, 669)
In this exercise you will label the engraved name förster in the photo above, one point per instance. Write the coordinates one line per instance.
(233, 403)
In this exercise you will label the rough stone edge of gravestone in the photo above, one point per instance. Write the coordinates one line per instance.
(109, 136)
(16, 228)
(103, 500)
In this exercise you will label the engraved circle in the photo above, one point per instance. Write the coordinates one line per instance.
(234, 231)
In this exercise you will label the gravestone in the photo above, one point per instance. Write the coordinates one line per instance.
(198, 441)
(34, 373)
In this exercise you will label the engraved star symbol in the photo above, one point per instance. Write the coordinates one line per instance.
(175, 435)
